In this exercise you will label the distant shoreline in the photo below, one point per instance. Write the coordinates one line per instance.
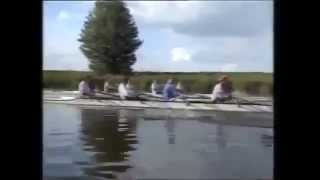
(167, 72)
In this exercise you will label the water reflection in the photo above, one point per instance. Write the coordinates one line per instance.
(221, 136)
(267, 138)
(102, 144)
(170, 127)
(109, 136)
(220, 128)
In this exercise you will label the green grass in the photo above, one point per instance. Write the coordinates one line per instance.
(67, 80)
(202, 82)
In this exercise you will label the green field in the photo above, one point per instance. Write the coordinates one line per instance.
(198, 82)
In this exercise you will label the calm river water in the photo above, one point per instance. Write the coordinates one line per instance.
(86, 143)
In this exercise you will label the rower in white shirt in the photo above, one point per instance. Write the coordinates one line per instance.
(125, 90)
(106, 86)
(154, 87)
(179, 87)
(223, 90)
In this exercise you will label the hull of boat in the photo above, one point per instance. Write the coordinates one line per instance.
(72, 98)
(160, 105)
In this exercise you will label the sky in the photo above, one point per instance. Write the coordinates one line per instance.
(184, 36)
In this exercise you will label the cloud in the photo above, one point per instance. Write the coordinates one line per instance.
(229, 67)
(206, 18)
(226, 50)
(180, 54)
(63, 15)
(148, 11)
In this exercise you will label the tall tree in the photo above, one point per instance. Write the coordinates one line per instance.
(109, 38)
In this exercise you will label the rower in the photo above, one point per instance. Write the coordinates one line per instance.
(223, 90)
(84, 87)
(106, 86)
(92, 86)
(126, 92)
(154, 87)
(129, 86)
(169, 91)
(179, 87)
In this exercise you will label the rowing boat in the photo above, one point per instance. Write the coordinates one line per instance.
(195, 102)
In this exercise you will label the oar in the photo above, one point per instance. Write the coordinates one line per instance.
(238, 102)
(237, 99)
(172, 100)
(182, 96)
(101, 95)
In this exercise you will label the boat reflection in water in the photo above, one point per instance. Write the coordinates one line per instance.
(267, 138)
(104, 143)
(170, 127)
(109, 136)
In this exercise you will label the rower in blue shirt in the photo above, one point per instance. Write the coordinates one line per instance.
(169, 90)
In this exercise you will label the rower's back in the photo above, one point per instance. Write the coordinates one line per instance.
(227, 87)
(84, 88)
(222, 90)
(154, 87)
(169, 90)
(122, 90)
(106, 86)
(125, 90)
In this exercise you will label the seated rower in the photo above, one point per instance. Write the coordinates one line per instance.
(179, 87)
(223, 90)
(154, 88)
(84, 88)
(126, 92)
(106, 87)
(169, 91)
(92, 87)
(129, 86)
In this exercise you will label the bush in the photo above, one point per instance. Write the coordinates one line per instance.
(258, 88)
